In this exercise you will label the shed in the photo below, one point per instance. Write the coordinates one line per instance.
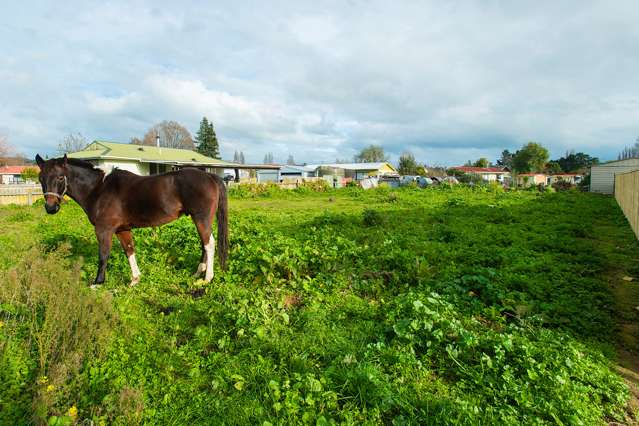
(602, 176)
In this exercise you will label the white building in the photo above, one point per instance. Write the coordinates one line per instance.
(602, 176)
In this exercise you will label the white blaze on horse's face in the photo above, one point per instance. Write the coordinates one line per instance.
(210, 254)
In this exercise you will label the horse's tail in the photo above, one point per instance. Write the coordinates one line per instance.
(222, 223)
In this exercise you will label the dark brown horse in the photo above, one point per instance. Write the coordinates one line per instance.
(117, 202)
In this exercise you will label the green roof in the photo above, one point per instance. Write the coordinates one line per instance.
(145, 154)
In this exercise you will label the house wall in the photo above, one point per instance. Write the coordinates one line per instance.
(602, 177)
(136, 167)
(264, 176)
(532, 180)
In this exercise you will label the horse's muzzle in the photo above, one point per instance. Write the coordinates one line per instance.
(52, 208)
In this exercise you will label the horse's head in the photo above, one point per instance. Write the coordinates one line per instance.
(54, 176)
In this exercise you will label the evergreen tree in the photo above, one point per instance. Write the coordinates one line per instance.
(242, 161)
(207, 139)
(268, 158)
(407, 164)
(236, 157)
(291, 160)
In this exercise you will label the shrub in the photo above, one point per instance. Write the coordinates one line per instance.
(563, 186)
(46, 307)
(371, 217)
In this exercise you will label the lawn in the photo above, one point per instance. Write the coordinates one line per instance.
(436, 306)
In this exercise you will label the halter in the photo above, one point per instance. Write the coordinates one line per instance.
(60, 196)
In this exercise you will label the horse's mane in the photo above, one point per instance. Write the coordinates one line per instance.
(84, 164)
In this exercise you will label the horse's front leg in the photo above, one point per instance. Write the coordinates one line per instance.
(126, 241)
(104, 242)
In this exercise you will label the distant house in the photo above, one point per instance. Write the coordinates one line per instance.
(602, 176)
(489, 174)
(529, 179)
(294, 172)
(150, 160)
(572, 178)
(358, 171)
(12, 174)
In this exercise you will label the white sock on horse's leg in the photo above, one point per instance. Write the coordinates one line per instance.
(135, 271)
(201, 268)
(210, 254)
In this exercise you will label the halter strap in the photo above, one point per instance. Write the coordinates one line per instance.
(60, 196)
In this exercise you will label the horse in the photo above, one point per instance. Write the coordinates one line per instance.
(120, 201)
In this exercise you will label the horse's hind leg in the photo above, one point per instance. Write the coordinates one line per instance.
(126, 240)
(201, 267)
(203, 225)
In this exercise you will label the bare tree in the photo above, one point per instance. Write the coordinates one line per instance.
(136, 141)
(71, 143)
(5, 148)
(172, 135)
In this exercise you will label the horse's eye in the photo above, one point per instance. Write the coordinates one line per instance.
(60, 177)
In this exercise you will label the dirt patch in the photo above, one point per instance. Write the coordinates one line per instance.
(627, 307)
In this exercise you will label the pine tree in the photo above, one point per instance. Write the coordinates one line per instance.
(291, 160)
(236, 157)
(207, 139)
(242, 161)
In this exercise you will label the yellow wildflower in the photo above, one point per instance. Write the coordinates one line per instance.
(1, 324)
(42, 380)
(50, 388)
(73, 412)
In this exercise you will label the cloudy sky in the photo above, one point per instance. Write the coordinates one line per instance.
(448, 81)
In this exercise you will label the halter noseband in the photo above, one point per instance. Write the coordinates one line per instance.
(60, 196)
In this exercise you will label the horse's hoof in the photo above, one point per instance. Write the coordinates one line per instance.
(134, 281)
(95, 286)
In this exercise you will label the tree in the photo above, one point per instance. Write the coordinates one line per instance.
(207, 139)
(71, 143)
(482, 162)
(532, 157)
(371, 154)
(290, 161)
(236, 157)
(630, 152)
(579, 161)
(242, 161)
(29, 174)
(5, 148)
(407, 164)
(506, 159)
(553, 167)
(136, 141)
(268, 158)
(172, 135)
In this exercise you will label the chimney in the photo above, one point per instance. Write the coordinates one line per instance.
(157, 139)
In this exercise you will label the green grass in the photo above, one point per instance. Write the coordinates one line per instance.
(439, 306)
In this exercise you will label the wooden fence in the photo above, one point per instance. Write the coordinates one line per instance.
(627, 195)
(23, 194)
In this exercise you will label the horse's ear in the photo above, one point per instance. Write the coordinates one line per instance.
(65, 160)
(39, 160)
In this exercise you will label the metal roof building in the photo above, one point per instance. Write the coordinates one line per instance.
(602, 176)
(149, 160)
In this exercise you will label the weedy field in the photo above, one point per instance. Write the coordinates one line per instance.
(437, 306)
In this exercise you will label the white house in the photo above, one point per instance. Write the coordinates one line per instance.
(149, 160)
(13, 174)
(489, 174)
(602, 176)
